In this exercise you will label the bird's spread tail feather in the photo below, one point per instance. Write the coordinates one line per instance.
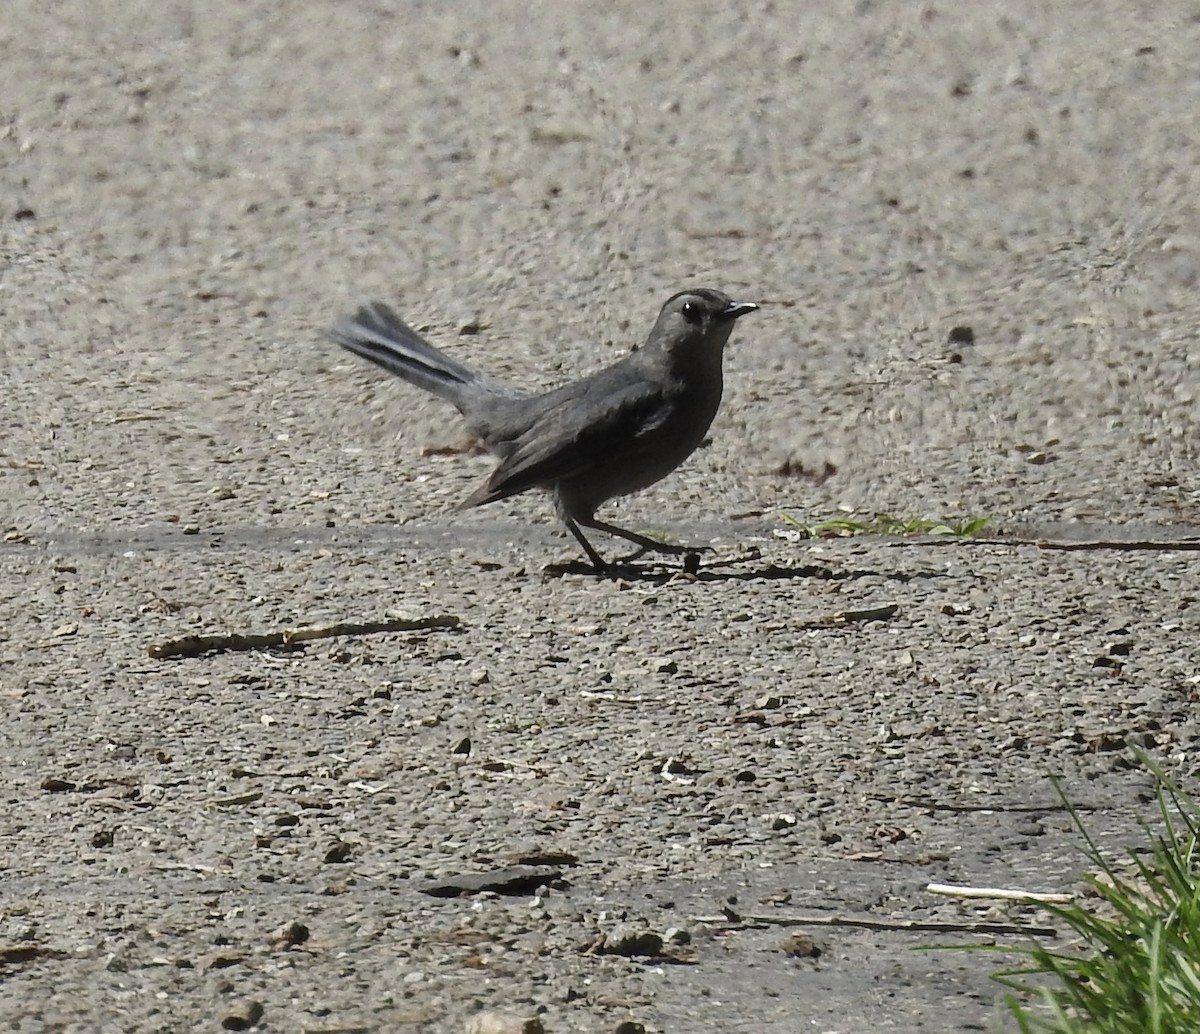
(376, 333)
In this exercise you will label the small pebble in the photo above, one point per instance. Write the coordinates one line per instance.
(801, 946)
(502, 1023)
(243, 1016)
(628, 939)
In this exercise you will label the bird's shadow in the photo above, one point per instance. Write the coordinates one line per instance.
(661, 574)
(746, 568)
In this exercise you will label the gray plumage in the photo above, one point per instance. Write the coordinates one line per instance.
(611, 433)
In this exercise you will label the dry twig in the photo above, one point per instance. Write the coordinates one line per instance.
(885, 612)
(194, 645)
(914, 925)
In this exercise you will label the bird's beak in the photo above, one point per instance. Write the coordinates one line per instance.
(735, 309)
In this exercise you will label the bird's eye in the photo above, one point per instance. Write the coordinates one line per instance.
(691, 311)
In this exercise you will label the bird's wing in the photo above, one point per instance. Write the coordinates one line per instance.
(566, 439)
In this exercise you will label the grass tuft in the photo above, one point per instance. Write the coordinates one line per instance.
(1138, 968)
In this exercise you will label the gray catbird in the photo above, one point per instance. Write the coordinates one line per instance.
(611, 433)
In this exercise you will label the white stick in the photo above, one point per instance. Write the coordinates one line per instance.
(950, 890)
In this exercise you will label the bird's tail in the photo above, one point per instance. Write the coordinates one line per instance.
(376, 333)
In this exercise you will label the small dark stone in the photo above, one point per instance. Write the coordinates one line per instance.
(291, 934)
(961, 335)
(339, 853)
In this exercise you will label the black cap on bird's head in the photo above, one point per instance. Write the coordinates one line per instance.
(698, 317)
(703, 303)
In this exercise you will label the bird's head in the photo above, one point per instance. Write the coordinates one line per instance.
(696, 322)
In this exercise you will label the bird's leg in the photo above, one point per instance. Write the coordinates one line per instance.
(597, 560)
(648, 544)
